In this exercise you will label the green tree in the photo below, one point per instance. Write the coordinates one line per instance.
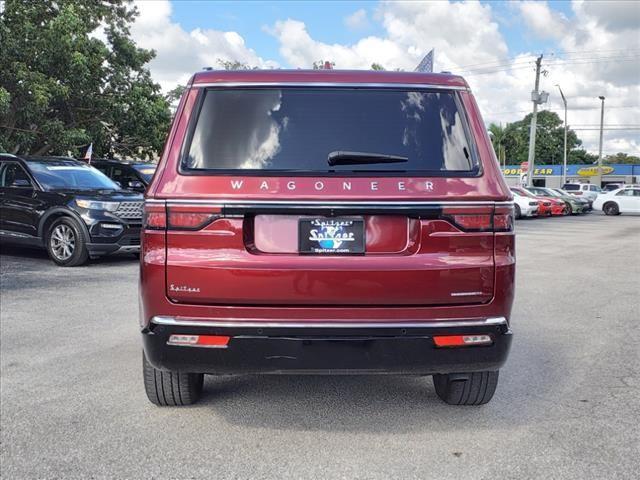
(621, 157)
(377, 66)
(549, 139)
(323, 65)
(62, 88)
(581, 156)
(498, 136)
(173, 97)
(234, 65)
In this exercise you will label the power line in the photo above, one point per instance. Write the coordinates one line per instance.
(520, 65)
(607, 129)
(560, 110)
(565, 56)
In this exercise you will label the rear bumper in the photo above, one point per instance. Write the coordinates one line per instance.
(347, 348)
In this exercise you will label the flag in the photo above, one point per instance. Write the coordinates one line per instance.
(88, 153)
(426, 64)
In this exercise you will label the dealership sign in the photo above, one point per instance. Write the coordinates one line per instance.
(510, 171)
(573, 170)
(592, 171)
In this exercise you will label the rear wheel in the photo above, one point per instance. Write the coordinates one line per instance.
(66, 244)
(611, 208)
(518, 212)
(466, 388)
(567, 209)
(171, 389)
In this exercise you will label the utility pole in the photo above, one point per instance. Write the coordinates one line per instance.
(537, 98)
(599, 176)
(564, 162)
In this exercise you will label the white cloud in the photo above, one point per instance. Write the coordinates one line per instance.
(300, 50)
(357, 20)
(467, 39)
(615, 16)
(180, 53)
(543, 22)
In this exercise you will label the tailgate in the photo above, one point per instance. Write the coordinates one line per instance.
(252, 254)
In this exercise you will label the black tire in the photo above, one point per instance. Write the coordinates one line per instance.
(611, 208)
(518, 212)
(171, 389)
(466, 388)
(70, 251)
(568, 209)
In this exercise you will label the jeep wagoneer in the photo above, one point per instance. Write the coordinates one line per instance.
(332, 222)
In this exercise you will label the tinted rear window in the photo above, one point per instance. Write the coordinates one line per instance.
(571, 186)
(146, 171)
(295, 129)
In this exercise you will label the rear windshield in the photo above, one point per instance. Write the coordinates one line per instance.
(297, 129)
(571, 186)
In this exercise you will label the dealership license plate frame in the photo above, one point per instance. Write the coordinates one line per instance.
(355, 225)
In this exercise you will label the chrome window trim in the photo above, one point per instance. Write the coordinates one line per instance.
(320, 203)
(227, 323)
(332, 84)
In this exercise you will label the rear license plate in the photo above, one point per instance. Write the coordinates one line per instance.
(337, 236)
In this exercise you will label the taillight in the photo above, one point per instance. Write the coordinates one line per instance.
(479, 223)
(189, 220)
(483, 219)
(191, 217)
(577, 192)
(503, 219)
(158, 216)
(155, 216)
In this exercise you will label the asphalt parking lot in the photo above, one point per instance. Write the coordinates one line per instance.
(567, 406)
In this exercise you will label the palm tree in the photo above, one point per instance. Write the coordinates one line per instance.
(498, 136)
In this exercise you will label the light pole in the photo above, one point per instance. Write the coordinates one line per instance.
(599, 176)
(564, 162)
(538, 98)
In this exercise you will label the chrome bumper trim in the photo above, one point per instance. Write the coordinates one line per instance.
(192, 322)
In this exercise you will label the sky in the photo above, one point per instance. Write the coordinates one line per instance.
(589, 49)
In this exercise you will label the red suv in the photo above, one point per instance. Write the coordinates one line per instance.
(327, 222)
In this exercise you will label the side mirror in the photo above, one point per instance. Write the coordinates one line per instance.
(136, 185)
(21, 183)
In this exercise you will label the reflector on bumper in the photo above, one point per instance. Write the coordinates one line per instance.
(461, 340)
(208, 341)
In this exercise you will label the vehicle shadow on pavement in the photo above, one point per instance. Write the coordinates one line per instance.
(40, 256)
(388, 403)
(32, 268)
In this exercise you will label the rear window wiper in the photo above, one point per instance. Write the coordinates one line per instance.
(362, 158)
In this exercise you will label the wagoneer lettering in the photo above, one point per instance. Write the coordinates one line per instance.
(327, 222)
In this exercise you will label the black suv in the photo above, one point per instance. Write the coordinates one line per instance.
(129, 174)
(68, 207)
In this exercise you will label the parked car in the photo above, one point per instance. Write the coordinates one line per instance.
(584, 201)
(329, 222)
(584, 190)
(547, 205)
(525, 206)
(130, 175)
(623, 200)
(610, 187)
(67, 207)
(573, 204)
